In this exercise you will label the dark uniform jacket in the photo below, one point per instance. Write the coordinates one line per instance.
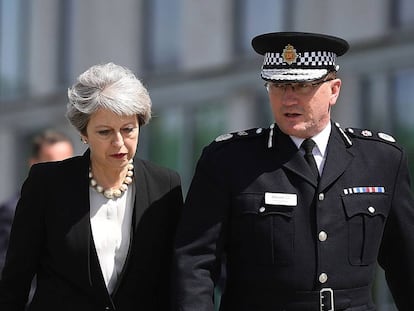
(290, 243)
(51, 236)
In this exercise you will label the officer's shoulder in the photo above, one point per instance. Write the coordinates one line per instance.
(370, 135)
(239, 136)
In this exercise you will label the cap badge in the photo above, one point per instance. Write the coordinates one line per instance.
(289, 54)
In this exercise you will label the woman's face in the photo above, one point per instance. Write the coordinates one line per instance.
(112, 139)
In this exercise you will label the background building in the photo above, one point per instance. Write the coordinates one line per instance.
(196, 60)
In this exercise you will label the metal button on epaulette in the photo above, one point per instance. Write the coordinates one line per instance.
(371, 209)
(322, 236)
(262, 209)
(323, 277)
(321, 197)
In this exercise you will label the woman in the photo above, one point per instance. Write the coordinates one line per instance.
(96, 229)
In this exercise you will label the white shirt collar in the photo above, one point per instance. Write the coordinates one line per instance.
(321, 139)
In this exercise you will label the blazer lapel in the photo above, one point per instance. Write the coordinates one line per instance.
(141, 192)
(141, 203)
(79, 234)
(83, 261)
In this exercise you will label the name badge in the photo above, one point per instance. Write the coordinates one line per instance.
(287, 199)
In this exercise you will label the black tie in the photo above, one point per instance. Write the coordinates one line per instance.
(308, 145)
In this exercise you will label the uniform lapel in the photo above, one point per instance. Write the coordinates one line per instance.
(291, 158)
(337, 160)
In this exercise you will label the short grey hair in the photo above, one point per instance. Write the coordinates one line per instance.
(108, 86)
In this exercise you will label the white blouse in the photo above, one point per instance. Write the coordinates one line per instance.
(111, 222)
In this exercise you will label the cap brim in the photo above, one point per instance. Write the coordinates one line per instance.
(276, 41)
(293, 75)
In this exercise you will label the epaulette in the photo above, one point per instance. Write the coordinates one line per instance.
(370, 135)
(254, 132)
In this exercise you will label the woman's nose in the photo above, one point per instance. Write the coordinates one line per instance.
(118, 140)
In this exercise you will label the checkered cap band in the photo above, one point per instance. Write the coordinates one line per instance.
(308, 59)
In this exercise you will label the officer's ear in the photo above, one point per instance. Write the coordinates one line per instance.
(335, 87)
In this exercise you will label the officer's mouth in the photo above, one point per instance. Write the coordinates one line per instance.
(292, 115)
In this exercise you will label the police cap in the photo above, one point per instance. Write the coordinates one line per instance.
(298, 56)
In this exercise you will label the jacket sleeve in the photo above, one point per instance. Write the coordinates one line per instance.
(199, 240)
(397, 249)
(25, 245)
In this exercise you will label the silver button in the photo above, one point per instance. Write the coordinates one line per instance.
(323, 277)
(371, 209)
(321, 197)
(262, 209)
(322, 236)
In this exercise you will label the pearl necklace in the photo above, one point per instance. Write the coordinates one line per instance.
(113, 193)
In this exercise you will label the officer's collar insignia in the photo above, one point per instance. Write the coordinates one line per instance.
(270, 140)
(386, 137)
(345, 137)
(289, 54)
(224, 137)
(366, 133)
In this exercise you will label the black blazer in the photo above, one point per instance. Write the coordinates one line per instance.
(51, 237)
(285, 236)
(7, 210)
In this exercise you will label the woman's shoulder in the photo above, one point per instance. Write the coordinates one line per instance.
(155, 170)
(151, 166)
(56, 168)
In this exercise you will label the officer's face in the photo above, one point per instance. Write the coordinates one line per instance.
(304, 115)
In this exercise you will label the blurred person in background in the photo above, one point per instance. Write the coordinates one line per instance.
(96, 229)
(49, 145)
(301, 211)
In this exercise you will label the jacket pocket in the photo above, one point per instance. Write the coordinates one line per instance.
(261, 234)
(366, 214)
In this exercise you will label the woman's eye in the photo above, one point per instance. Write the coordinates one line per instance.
(128, 130)
(104, 132)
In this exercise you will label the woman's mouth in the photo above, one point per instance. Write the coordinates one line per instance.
(118, 155)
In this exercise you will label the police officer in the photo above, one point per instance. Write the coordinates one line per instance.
(300, 211)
